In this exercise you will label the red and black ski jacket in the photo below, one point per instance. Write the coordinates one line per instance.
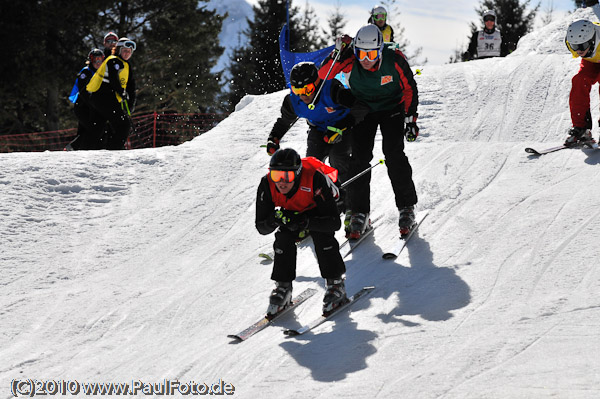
(313, 194)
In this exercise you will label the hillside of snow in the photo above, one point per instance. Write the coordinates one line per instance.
(133, 266)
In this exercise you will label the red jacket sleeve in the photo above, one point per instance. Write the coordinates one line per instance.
(407, 82)
(343, 64)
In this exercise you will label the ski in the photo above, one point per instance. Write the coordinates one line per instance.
(324, 317)
(267, 321)
(593, 145)
(401, 243)
(546, 151)
(350, 245)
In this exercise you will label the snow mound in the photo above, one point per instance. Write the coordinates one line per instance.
(551, 38)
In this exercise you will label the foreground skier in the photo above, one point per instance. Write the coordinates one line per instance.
(298, 195)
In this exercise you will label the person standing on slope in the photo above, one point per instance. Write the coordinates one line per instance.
(583, 40)
(110, 41)
(381, 77)
(82, 108)
(298, 195)
(379, 17)
(113, 94)
(487, 42)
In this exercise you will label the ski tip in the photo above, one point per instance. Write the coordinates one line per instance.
(265, 256)
(531, 151)
(389, 255)
(236, 337)
(290, 333)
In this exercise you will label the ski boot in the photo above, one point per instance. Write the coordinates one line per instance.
(578, 135)
(359, 223)
(281, 297)
(335, 295)
(407, 220)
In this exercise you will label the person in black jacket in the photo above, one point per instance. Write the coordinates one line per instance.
(82, 108)
(379, 75)
(113, 95)
(487, 42)
(330, 110)
(298, 195)
(110, 41)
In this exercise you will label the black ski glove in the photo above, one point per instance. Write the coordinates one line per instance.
(411, 130)
(291, 220)
(272, 145)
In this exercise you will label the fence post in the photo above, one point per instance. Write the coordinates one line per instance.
(154, 131)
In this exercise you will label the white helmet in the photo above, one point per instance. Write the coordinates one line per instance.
(489, 13)
(369, 37)
(378, 10)
(581, 32)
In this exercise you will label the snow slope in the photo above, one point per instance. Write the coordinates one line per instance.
(135, 265)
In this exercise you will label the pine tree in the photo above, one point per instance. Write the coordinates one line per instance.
(336, 24)
(182, 46)
(307, 26)
(393, 19)
(580, 3)
(548, 11)
(38, 76)
(256, 68)
(44, 47)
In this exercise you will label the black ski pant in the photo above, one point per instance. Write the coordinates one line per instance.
(85, 139)
(109, 109)
(327, 249)
(338, 153)
(339, 157)
(399, 170)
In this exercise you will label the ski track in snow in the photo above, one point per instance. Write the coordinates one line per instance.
(135, 265)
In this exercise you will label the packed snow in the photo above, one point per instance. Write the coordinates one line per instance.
(133, 266)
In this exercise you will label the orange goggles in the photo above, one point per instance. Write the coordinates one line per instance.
(370, 55)
(282, 176)
(306, 90)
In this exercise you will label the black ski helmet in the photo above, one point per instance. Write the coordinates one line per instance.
(303, 73)
(286, 159)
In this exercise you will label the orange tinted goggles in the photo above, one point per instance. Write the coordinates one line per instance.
(306, 90)
(370, 55)
(282, 176)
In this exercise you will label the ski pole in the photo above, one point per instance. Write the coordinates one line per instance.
(126, 107)
(311, 106)
(364, 172)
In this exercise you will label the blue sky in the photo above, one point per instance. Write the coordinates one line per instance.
(438, 26)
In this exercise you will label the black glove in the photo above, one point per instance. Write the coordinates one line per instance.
(411, 130)
(272, 145)
(291, 220)
(125, 95)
